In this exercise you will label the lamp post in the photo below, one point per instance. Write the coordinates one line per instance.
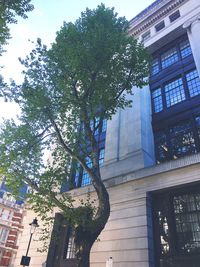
(25, 259)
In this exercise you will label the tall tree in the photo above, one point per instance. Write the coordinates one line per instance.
(84, 77)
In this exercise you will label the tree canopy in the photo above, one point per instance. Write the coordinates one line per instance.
(84, 77)
(9, 9)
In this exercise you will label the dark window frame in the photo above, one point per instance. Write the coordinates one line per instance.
(186, 91)
(167, 147)
(164, 206)
(177, 46)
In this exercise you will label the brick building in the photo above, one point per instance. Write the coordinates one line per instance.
(11, 216)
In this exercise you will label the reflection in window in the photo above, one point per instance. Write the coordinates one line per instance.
(182, 140)
(169, 58)
(174, 92)
(187, 215)
(157, 100)
(193, 83)
(185, 49)
(177, 141)
(197, 122)
(176, 223)
(70, 253)
(162, 150)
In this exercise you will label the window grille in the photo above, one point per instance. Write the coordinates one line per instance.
(168, 58)
(157, 100)
(155, 68)
(193, 83)
(176, 219)
(185, 49)
(174, 92)
(182, 140)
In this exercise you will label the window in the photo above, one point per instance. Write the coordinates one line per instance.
(176, 218)
(160, 26)
(70, 252)
(157, 100)
(185, 49)
(146, 36)
(169, 57)
(104, 126)
(178, 52)
(174, 92)
(178, 140)
(86, 178)
(182, 140)
(6, 214)
(197, 123)
(3, 234)
(101, 156)
(79, 177)
(193, 83)
(155, 68)
(174, 16)
(162, 150)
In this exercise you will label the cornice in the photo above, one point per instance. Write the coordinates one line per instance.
(156, 11)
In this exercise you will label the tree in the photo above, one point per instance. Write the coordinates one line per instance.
(9, 9)
(84, 77)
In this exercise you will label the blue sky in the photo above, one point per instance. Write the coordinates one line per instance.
(43, 22)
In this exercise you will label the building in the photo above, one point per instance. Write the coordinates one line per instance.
(11, 216)
(152, 160)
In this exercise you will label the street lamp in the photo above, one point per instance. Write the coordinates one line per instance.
(25, 259)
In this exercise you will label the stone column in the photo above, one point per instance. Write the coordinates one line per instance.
(112, 139)
(193, 31)
(129, 137)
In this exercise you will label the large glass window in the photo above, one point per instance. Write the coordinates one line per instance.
(179, 52)
(178, 140)
(177, 232)
(182, 140)
(174, 92)
(169, 57)
(193, 83)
